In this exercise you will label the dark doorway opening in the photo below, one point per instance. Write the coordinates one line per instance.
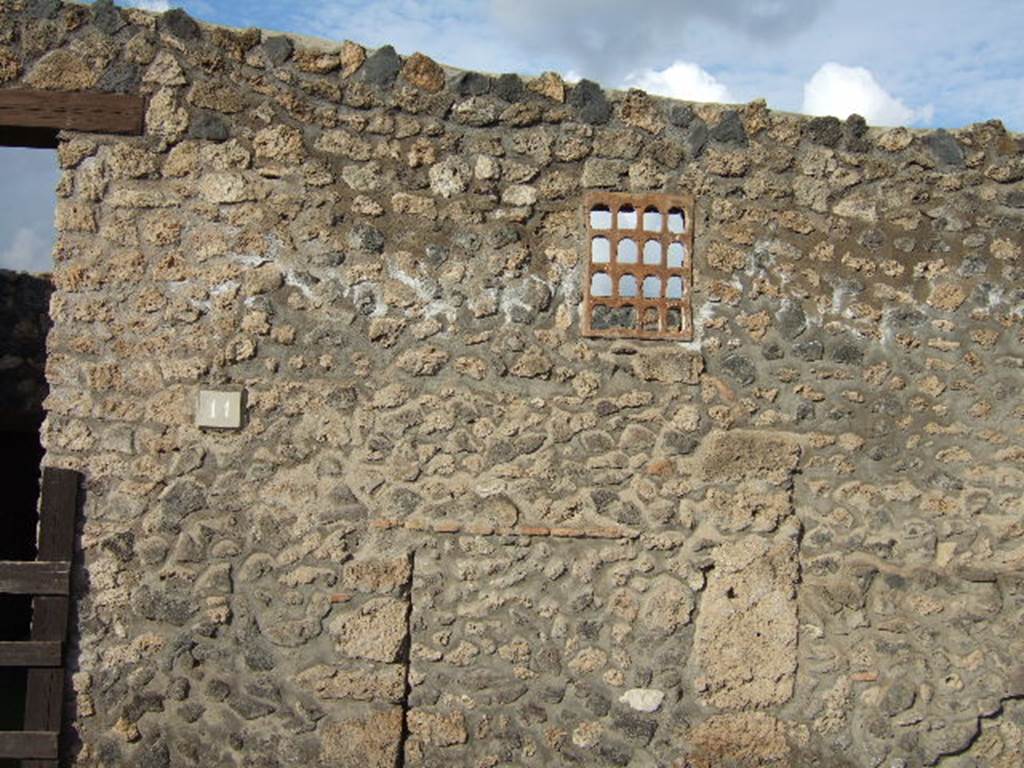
(28, 190)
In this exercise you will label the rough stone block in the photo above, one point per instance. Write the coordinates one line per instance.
(735, 456)
(745, 645)
(368, 742)
(376, 630)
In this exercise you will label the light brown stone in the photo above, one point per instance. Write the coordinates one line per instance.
(62, 70)
(352, 57)
(367, 682)
(368, 742)
(640, 111)
(549, 84)
(438, 729)
(376, 630)
(747, 740)
(341, 142)
(9, 65)
(165, 117)
(667, 606)
(738, 455)
(725, 257)
(750, 506)
(947, 297)
(668, 367)
(377, 575)
(279, 142)
(316, 62)
(423, 361)
(216, 96)
(424, 72)
(225, 188)
(745, 644)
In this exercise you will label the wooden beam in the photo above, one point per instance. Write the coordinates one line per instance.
(34, 578)
(39, 745)
(87, 111)
(30, 654)
(44, 695)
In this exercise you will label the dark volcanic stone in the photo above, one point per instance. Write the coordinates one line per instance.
(106, 17)
(591, 104)
(123, 77)
(510, 88)
(697, 138)
(824, 130)
(945, 148)
(154, 754)
(847, 353)
(729, 130)
(249, 708)
(680, 443)
(805, 411)
(615, 754)
(208, 126)
(809, 351)
(278, 49)
(472, 84)
(140, 704)
(635, 727)
(174, 609)
(681, 115)
(366, 238)
(179, 24)
(593, 699)
(1015, 198)
(791, 321)
(43, 9)
(382, 66)
(740, 369)
(905, 317)
(772, 351)
(854, 130)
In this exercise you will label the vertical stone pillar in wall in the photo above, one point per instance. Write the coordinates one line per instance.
(745, 643)
(368, 673)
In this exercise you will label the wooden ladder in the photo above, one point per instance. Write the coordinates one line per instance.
(48, 581)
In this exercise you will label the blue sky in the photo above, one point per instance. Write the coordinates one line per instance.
(927, 63)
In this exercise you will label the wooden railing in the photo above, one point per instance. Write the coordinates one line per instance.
(48, 581)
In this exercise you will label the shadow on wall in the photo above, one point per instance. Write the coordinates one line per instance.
(24, 324)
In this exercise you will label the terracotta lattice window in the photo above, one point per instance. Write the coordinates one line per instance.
(640, 266)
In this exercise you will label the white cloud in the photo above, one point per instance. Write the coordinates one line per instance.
(156, 6)
(841, 91)
(28, 251)
(682, 80)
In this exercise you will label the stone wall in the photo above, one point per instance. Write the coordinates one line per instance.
(454, 532)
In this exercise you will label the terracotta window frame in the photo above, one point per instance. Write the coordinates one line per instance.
(654, 301)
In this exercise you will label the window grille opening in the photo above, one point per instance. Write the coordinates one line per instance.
(600, 217)
(627, 251)
(676, 221)
(652, 252)
(627, 217)
(601, 284)
(640, 274)
(676, 255)
(652, 220)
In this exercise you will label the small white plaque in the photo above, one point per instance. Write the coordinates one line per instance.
(219, 410)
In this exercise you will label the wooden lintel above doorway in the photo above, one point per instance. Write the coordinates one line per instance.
(28, 112)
